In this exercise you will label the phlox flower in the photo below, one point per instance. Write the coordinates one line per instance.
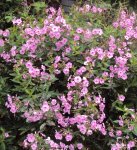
(31, 138)
(121, 97)
(77, 79)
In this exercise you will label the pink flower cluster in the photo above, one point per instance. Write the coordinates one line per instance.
(87, 8)
(10, 104)
(36, 115)
(30, 141)
(57, 49)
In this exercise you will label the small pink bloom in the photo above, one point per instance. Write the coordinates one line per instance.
(118, 132)
(34, 146)
(66, 71)
(110, 54)
(79, 146)
(97, 100)
(94, 9)
(130, 145)
(84, 91)
(6, 135)
(68, 137)
(77, 79)
(54, 102)
(31, 138)
(111, 134)
(115, 24)
(92, 52)
(76, 37)
(101, 81)
(58, 136)
(121, 97)
(79, 30)
(96, 80)
(45, 107)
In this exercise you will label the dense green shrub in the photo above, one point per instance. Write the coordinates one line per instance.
(69, 81)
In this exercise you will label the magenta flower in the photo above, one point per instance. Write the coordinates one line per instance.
(45, 107)
(31, 138)
(58, 136)
(68, 137)
(118, 132)
(77, 79)
(96, 80)
(79, 146)
(121, 97)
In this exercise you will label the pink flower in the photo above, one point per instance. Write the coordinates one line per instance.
(94, 9)
(96, 80)
(129, 55)
(101, 81)
(31, 138)
(10, 104)
(124, 77)
(118, 132)
(29, 31)
(66, 71)
(93, 125)
(120, 122)
(58, 136)
(57, 59)
(130, 145)
(97, 100)
(115, 24)
(17, 21)
(77, 79)
(110, 54)
(69, 65)
(83, 69)
(89, 132)
(111, 134)
(68, 50)
(25, 143)
(54, 102)
(79, 30)
(92, 52)
(71, 147)
(28, 64)
(121, 97)
(6, 33)
(79, 146)
(82, 128)
(84, 91)
(13, 51)
(45, 107)
(34, 146)
(68, 137)
(76, 37)
(105, 74)
(6, 134)
(13, 108)
(88, 7)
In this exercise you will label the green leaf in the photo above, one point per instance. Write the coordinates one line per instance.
(42, 127)
(2, 146)
(39, 5)
(8, 18)
(135, 130)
